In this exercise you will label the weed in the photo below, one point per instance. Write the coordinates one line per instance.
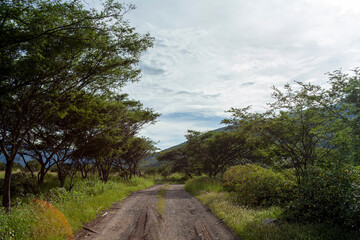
(161, 205)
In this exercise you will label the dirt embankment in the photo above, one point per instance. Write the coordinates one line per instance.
(140, 217)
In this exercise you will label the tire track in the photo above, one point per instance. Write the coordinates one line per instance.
(137, 218)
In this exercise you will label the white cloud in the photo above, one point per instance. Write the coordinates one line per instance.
(212, 55)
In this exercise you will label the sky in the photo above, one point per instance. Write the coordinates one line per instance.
(211, 55)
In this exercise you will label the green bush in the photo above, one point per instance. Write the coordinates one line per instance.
(256, 186)
(21, 185)
(331, 196)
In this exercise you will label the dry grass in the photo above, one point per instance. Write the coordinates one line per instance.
(247, 222)
(50, 222)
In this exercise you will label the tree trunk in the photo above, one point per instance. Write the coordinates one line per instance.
(61, 175)
(6, 201)
(41, 175)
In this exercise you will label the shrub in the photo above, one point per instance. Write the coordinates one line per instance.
(151, 171)
(21, 185)
(178, 178)
(328, 195)
(256, 186)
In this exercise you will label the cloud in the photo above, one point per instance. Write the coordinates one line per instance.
(213, 55)
(170, 130)
(151, 70)
(247, 84)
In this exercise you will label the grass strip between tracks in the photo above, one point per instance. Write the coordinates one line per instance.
(161, 205)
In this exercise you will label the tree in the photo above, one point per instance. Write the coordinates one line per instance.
(305, 127)
(121, 120)
(133, 152)
(215, 151)
(51, 51)
(210, 153)
(342, 103)
(178, 159)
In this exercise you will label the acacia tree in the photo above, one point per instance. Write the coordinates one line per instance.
(210, 153)
(215, 151)
(133, 152)
(179, 160)
(122, 119)
(52, 49)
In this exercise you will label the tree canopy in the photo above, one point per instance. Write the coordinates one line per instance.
(53, 56)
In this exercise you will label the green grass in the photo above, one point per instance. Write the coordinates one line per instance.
(197, 185)
(247, 222)
(88, 199)
(161, 204)
(174, 178)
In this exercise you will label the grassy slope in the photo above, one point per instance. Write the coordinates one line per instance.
(247, 222)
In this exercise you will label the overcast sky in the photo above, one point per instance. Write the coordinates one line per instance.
(210, 55)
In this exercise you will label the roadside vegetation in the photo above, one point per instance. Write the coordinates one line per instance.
(296, 163)
(69, 136)
(247, 221)
(88, 199)
(69, 143)
(62, 109)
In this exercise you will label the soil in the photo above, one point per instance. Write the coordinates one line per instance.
(138, 217)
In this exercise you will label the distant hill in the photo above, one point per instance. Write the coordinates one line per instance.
(152, 160)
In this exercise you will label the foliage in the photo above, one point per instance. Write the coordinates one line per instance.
(331, 196)
(341, 102)
(247, 222)
(177, 178)
(306, 125)
(215, 151)
(22, 185)
(18, 223)
(53, 54)
(83, 203)
(203, 184)
(291, 132)
(178, 159)
(135, 150)
(256, 186)
(206, 153)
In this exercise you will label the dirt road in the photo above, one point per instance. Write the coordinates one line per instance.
(143, 215)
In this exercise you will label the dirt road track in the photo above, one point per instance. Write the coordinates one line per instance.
(137, 217)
